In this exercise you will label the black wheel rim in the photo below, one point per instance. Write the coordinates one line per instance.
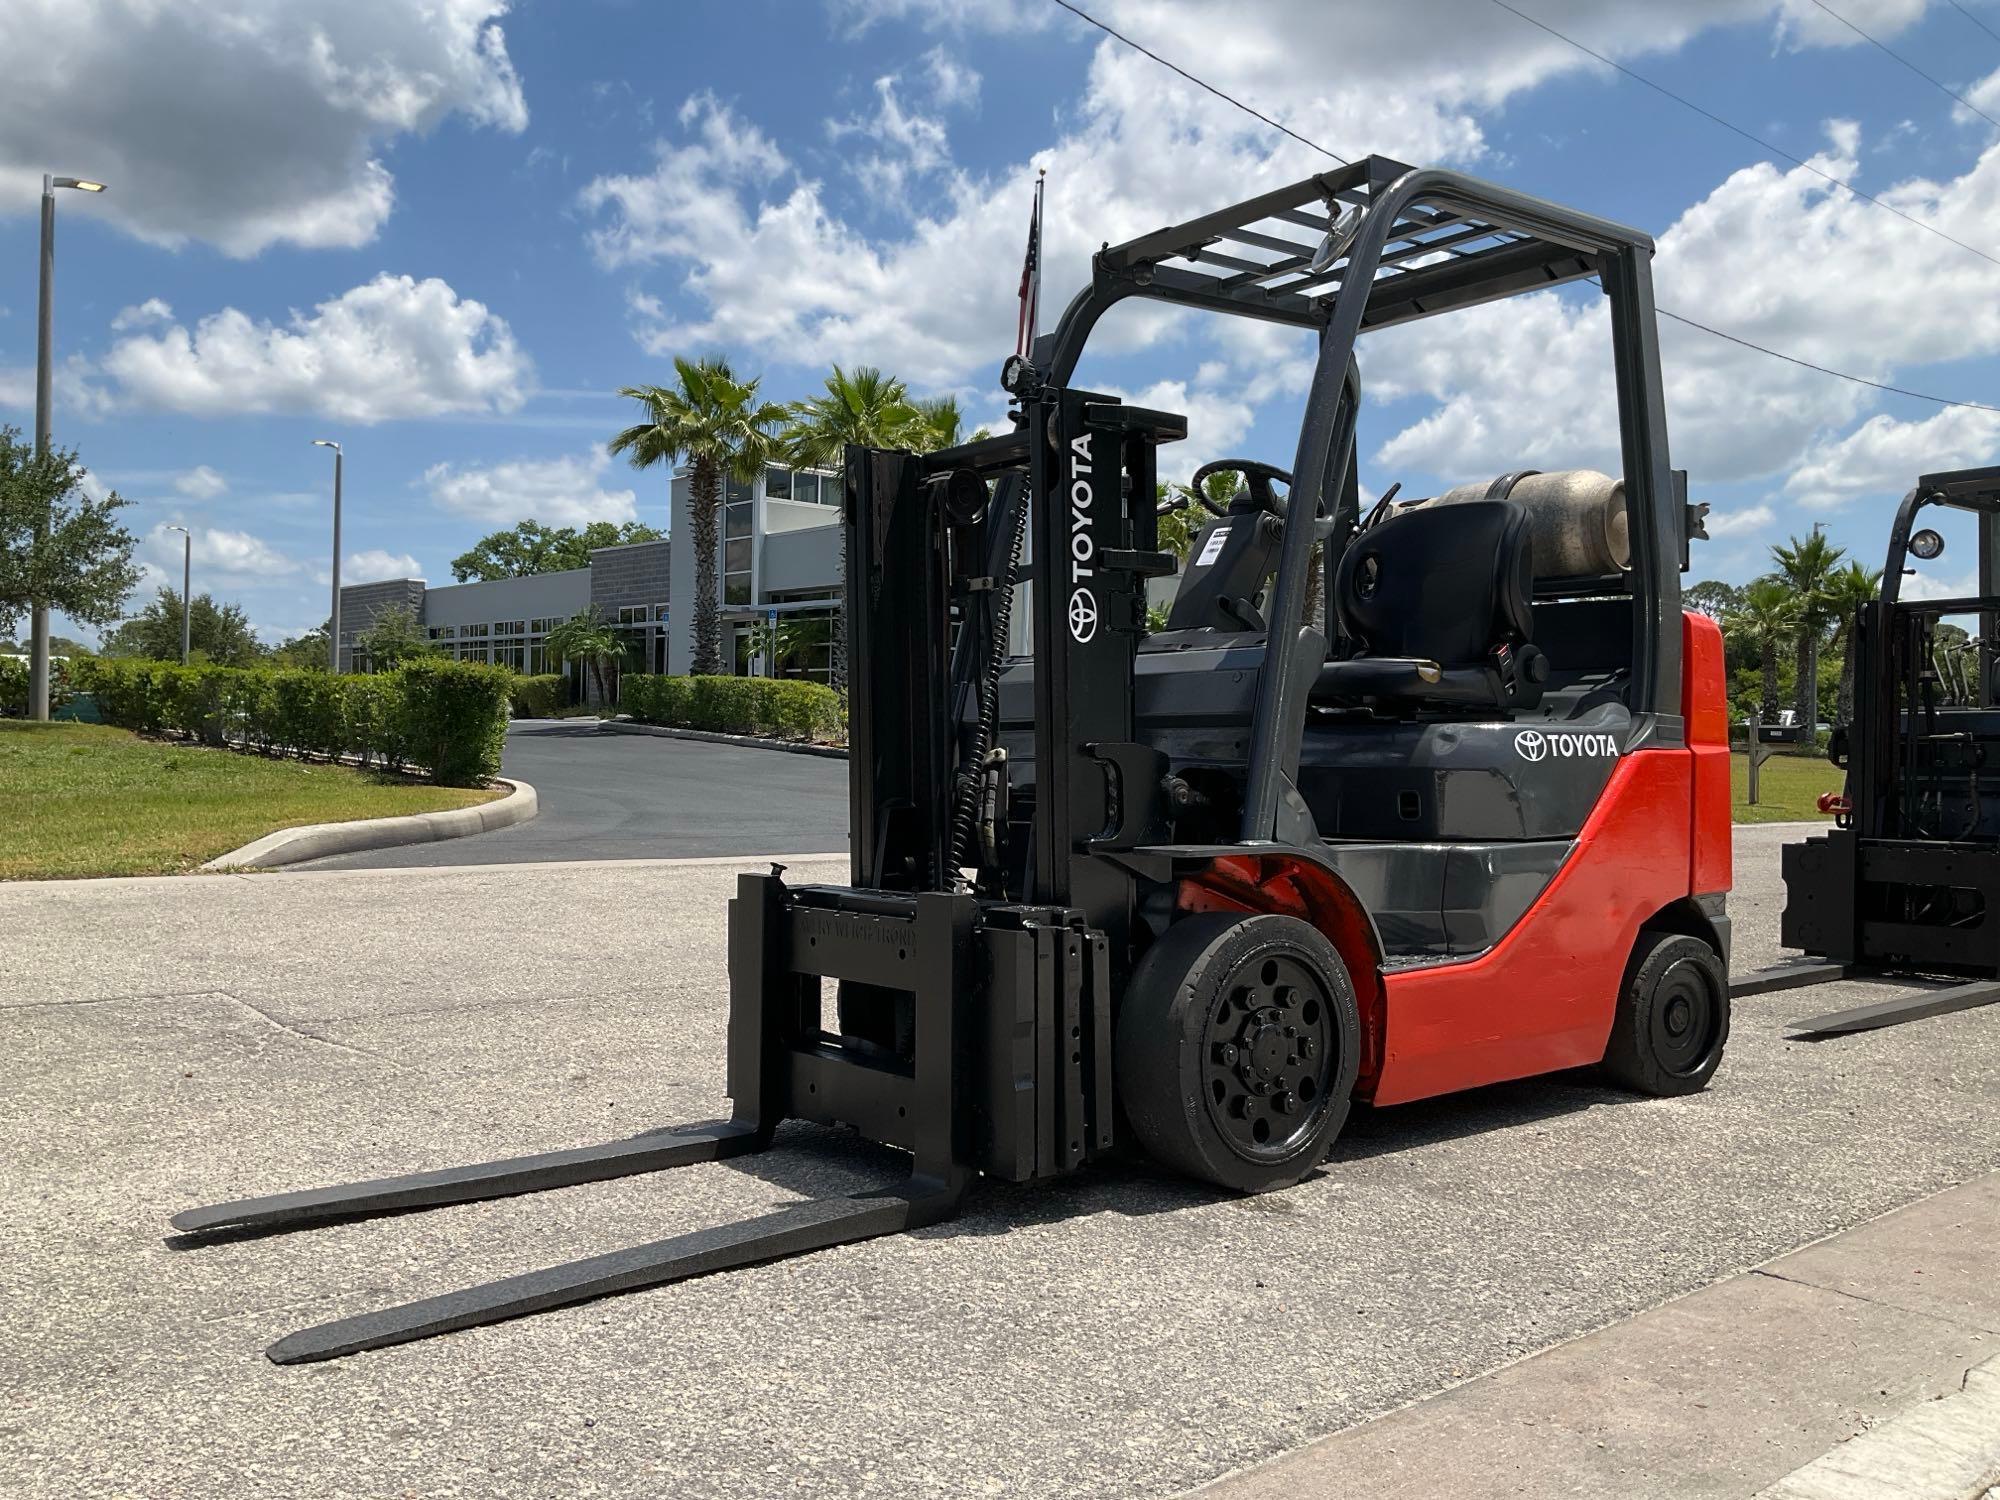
(1269, 1052)
(1686, 1018)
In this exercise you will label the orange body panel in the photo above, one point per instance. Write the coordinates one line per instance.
(1705, 706)
(1543, 996)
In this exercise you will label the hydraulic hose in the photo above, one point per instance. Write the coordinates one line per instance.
(966, 812)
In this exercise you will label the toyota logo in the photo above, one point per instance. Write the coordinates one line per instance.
(1082, 616)
(1531, 744)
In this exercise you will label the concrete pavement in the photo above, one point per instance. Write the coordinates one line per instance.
(608, 796)
(170, 1042)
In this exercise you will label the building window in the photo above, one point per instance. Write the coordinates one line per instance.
(473, 631)
(511, 627)
(660, 613)
(777, 483)
(631, 614)
(544, 625)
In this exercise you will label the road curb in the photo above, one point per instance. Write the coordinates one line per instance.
(751, 741)
(1947, 1449)
(289, 846)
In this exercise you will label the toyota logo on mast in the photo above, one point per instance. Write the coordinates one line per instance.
(1082, 616)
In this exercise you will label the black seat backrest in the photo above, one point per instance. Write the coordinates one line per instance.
(1447, 584)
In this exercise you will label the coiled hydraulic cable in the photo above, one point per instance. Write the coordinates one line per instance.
(966, 812)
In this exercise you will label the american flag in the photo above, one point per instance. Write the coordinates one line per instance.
(1031, 278)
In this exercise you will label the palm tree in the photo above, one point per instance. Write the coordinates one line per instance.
(862, 406)
(1768, 613)
(1806, 564)
(585, 638)
(713, 421)
(1846, 591)
(935, 423)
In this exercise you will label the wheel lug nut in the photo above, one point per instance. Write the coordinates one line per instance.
(1226, 1054)
(1286, 1102)
(1309, 1047)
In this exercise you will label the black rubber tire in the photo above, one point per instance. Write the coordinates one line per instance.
(1673, 1017)
(1165, 1051)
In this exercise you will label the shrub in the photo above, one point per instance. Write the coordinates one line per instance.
(454, 718)
(784, 708)
(448, 717)
(539, 697)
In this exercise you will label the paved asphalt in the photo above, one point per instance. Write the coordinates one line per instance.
(633, 796)
(169, 1042)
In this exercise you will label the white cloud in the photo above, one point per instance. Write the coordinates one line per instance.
(770, 266)
(1922, 585)
(376, 564)
(1883, 456)
(394, 347)
(152, 310)
(242, 123)
(1738, 520)
(235, 554)
(1528, 381)
(953, 84)
(565, 491)
(201, 483)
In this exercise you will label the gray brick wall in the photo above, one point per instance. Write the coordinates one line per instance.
(628, 575)
(360, 603)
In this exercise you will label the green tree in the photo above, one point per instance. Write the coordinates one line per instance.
(861, 406)
(1847, 589)
(717, 424)
(1806, 563)
(302, 653)
(217, 633)
(530, 547)
(395, 635)
(1768, 615)
(59, 547)
(585, 638)
(1712, 598)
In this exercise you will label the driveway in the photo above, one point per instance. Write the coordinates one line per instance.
(619, 796)
(168, 1042)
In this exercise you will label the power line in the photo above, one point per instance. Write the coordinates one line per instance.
(1199, 83)
(1974, 19)
(1897, 56)
(1754, 139)
(1661, 311)
(1793, 359)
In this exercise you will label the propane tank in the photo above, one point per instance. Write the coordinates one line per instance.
(1577, 517)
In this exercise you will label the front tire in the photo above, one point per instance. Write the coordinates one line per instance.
(1673, 1017)
(1237, 1046)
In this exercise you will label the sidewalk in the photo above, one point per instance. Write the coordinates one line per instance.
(1722, 1392)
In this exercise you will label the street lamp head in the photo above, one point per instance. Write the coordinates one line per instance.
(175, 526)
(326, 443)
(81, 184)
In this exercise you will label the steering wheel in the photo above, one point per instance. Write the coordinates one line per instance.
(1257, 476)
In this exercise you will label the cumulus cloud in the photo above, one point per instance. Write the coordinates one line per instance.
(376, 564)
(1738, 520)
(236, 554)
(394, 347)
(152, 310)
(566, 491)
(1528, 381)
(770, 265)
(242, 123)
(1883, 456)
(201, 483)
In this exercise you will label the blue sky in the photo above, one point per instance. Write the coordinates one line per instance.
(445, 235)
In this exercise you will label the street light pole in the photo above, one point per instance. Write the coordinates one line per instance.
(187, 583)
(333, 621)
(38, 613)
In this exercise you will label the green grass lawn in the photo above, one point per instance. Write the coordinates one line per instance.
(1787, 788)
(87, 799)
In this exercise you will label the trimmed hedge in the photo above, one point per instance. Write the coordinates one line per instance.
(14, 686)
(779, 707)
(539, 697)
(447, 717)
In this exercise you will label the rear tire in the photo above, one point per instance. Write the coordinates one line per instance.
(1237, 1046)
(1673, 1017)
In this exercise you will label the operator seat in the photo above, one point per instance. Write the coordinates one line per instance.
(1436, 598)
